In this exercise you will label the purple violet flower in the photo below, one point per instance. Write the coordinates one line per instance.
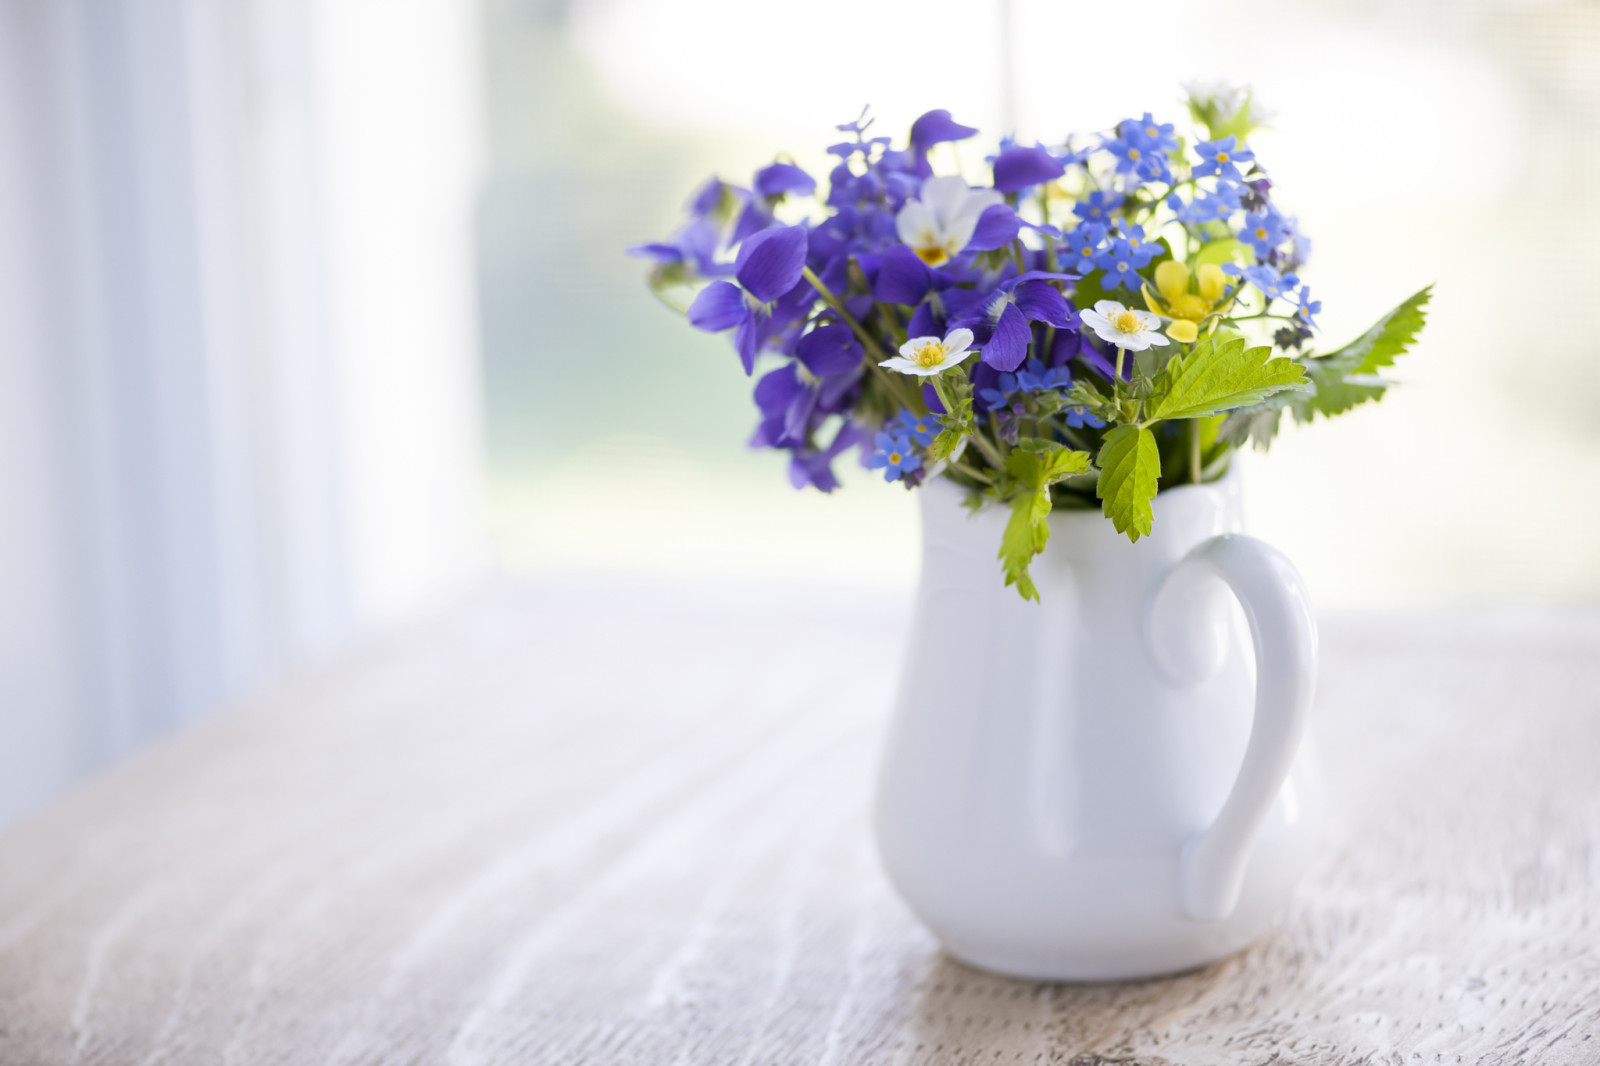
(1017, 168)
(1003, 321)
(768, 266)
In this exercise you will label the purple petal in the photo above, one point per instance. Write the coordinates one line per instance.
(746, 340)
(767, 433)
(902, 277)
(836, 275)
(811, 469)
(997, 227)
(1068, 343)
(799, 413)
(925, 322)
(1042, 303)
(850, 434)
(781, 178)
(829, 350)
(777, 389)
(859, 306)
(707, 199)
(661, 253)
(835, 389)
(717, 307)
(936, 127)
(959, 303)
(1019, 167)
(769, 262)
(980, 315)
(753, 219)
(1092, 357)
(984, 377)
(1008, 347)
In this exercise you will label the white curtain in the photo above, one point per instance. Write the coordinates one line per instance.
(239, 410)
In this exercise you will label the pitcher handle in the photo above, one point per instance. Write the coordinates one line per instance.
(1186, 639)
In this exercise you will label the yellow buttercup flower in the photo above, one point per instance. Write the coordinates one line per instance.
(1187, 309)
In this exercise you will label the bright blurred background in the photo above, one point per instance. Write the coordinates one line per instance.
(313, 312)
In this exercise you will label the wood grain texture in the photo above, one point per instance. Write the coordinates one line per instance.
(556, 826)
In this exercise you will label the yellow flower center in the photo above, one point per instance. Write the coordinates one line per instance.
(930, 354)
(1222, 157)
(934, 256)
(1149, 131)
(894, 458)
(1188, 305)
(1133, 154)
(1127, 322)
(1261, 233)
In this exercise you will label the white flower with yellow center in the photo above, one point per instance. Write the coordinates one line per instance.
(927, 356)
(1123, 326)
(942, 222)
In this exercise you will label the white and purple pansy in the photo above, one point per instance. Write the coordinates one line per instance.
(951, 218)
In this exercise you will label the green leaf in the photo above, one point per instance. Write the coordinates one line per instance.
(1335, 390)
(1130, 467)
(1026, 534)
(1039, 463)
(955, 391)
(1219, 376)
(1389, 337)
(1258, 424)
(1036, 464)
(1086, 291)
(1218, 252)
(1064, 463)
(1219, 120)
(1084, 395)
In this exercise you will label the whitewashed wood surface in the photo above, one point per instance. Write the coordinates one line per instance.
(561, 826)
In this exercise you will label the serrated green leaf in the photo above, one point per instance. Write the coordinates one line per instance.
(1035, 465)
(1220, 376)
(1130, 467)
(1258, 424)
(1085, 396)
(1334, 391)
(945, 444)
(1063, 464)
(1389, 337)
(1038, 463)
(1026, 534)
(955, 392)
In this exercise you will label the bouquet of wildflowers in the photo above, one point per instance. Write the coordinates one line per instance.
(1104, 319)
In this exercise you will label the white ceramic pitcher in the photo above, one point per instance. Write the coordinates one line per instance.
(1100, 785)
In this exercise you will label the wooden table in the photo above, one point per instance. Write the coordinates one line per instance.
(560, 825)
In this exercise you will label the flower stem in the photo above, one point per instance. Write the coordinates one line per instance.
(875, 352)
(1194, 451)
(990, 451)
(971, 471)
